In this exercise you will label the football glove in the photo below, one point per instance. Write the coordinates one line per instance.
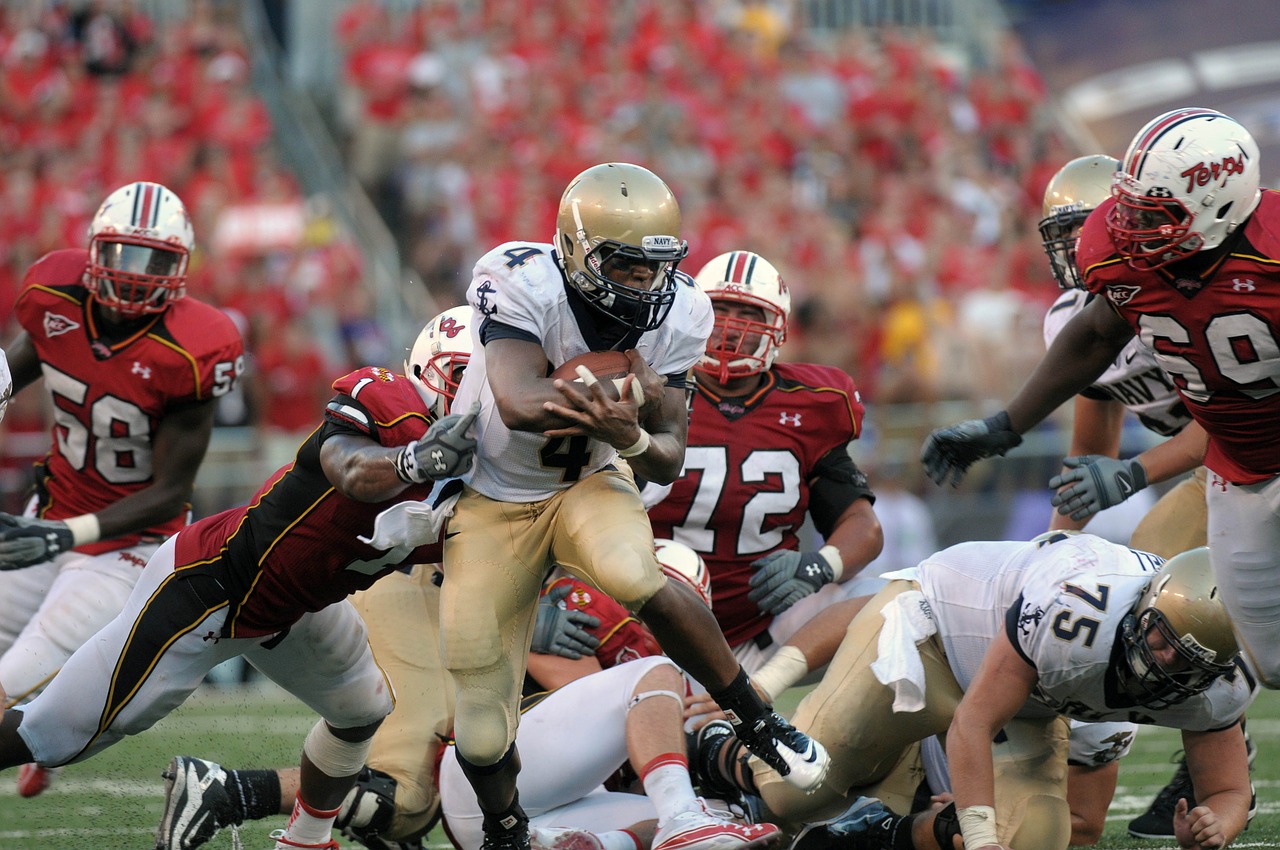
(949, 452)
(559, 631)
(25, 542)
(445, 451)
(1093, 483)
(785, 577)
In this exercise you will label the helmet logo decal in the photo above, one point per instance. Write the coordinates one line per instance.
(450, 328)
(1202, 173)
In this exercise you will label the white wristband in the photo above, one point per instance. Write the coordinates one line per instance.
(787, 666)
(84, 528)
(831, 555)
(639, 447)
(978, 826)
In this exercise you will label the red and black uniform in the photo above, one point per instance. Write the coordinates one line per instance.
(110, 392)
(1215, 329)
(753, 468)
(295, 547)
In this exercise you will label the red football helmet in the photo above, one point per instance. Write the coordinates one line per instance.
(139, 243)
(745, 278)
(438, 358)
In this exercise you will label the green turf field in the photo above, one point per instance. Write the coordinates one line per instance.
(113, 800)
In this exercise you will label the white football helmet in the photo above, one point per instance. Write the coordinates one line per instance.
(438, 357)
(1074, 192)
(746, 278)
(139, 243)
(1188, 180)
(620, 214)
(681, 563)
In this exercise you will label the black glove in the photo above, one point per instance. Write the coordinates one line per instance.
(785, 577)
(25, 542)
(559, 631)
(445, 451)
(949, 452)
(1096, 482)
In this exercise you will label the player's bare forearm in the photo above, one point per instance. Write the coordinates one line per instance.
(668, 429)
(858, 536)
(1081, 352)
(1180, 453)
(361, 469)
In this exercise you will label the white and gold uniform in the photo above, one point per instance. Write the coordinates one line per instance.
(1061, 606)
(530, 498)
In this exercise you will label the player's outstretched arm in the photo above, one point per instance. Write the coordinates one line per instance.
(1095, 430)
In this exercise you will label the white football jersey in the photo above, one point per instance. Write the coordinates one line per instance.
(1134, 379)
(1069, 598)
(520, 284)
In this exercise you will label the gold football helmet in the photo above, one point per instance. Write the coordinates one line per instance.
(1182, 603)
(1073, 193)
(613, 217)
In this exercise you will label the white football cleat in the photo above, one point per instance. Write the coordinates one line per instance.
(798, 759)
(697, 829)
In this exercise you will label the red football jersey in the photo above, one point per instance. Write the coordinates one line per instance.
(294, 548)
(110, 395)
(1217, 336)
(744, 489)
(622, 637)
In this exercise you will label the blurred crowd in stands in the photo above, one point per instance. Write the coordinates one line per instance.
(895, 182)
(896, 185)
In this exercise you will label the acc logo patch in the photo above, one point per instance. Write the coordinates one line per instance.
(1120, 294)
(56, 324)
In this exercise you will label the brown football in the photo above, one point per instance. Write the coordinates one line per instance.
(603, 364)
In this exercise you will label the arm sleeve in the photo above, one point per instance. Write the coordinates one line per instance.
(836, 484)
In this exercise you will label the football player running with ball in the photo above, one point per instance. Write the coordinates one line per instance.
(546, 488)
(133, 368)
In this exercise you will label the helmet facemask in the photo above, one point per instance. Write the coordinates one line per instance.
(597, 277)
(1151, 229)
(740, 346)
(1154, 686)
(140, 241)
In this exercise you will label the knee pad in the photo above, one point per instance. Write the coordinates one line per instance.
(946, 826)
(367, 811)
(332, 755)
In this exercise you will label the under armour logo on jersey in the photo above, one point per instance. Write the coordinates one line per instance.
(143, 372)
(484, 290)
(1220, 483)
(792, 419)
(1245, 285)
(56, 324)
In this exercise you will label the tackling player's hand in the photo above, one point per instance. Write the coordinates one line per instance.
(445, 451)
(559, 631)
(25, 542)
(785, 577)
(1093, 483)
(949, 452)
